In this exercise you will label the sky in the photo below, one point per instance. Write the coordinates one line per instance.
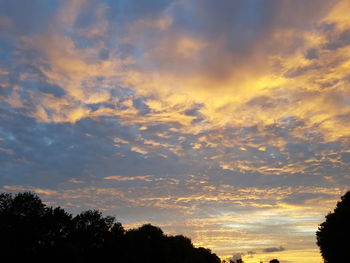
(226, 121)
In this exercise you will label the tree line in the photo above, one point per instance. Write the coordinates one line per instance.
(31, 231)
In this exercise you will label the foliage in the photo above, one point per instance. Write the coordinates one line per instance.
(333, 234)
(31, 231)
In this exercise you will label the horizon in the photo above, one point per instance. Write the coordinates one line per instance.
(227, 122)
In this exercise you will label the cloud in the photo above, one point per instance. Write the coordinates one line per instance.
(252, 218)
(124, 178)
(233, 116)
(274, 249)
(74, 72)
(237, 256)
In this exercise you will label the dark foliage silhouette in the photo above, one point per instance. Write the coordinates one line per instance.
(333, 235)
(274, 261)
(31, 231)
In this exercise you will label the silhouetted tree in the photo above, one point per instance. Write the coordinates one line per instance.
(274, 261)
(54, 229)
(88, 233)
(333, 235)
(205, 255)
(22, 225)
(149, 243)
(31, 231)
(179, 249)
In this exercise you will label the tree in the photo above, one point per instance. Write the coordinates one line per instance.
(205, 255)
(21, 225)
(274, 261)
(333, 235)
(88, 235)
(31, 231)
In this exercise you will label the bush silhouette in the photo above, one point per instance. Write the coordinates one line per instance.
(31, 231)
(333, 235)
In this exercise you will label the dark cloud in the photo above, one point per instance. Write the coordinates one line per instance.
(273, 249)
(104, 54)
(251, 252)
(341, 40)
(28, 17)
(232, 29)
(312, 54)
(237, 256)
(262, 102)
(139, 104)
(86, 149)
(345, 157)
(301, 198)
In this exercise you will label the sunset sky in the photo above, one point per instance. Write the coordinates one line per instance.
(226, 121)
